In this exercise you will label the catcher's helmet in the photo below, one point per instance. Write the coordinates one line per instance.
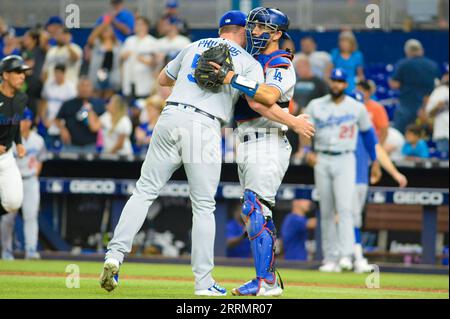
(272, 19)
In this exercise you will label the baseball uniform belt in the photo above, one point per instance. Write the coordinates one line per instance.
(197, 110)
(256, 135)
(334, 153)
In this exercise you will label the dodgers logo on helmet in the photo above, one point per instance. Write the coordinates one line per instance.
(272, 19)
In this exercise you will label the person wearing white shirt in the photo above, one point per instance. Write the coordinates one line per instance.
(173, 42)
(394, 143)
(139, 61)
(65, 52)
(55, 93)
(116, 128)
(319, 60)
(437, 108)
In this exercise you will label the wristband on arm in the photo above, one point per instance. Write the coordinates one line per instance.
(246, 86)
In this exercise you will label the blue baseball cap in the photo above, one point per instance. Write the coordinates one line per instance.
(172, 4)
(233, 17)
(27, 115)
(54, 20)
(338, 74)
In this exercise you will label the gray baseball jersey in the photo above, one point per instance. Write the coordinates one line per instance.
(337, 126)
(220, 103)
(35, 148)
(284, 80)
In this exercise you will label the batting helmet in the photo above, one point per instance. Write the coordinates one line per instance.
(272, 19)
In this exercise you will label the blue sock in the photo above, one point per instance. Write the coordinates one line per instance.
(357, 235)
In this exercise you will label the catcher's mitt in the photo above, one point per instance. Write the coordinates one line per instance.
(209, 77)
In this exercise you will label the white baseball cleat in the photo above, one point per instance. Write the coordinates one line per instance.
(362, 266)
(330, 267)
(273, 290)
(109, 279)
(346, 263)
(214, 291)
(7, 255)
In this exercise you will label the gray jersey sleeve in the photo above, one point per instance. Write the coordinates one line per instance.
(364, 121)
(282, 79)
(309, 110)
(174, 66)
(254, 72)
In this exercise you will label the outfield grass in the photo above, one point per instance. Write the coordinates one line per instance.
(47, 279)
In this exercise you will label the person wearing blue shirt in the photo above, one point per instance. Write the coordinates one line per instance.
(349, 58)
(238, 244)
(415, 147)
(415, 78)
(294, 230)
(120, 18)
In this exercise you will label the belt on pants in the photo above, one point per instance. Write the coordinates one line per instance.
(255, 135)
(334, 153)
(196, 110)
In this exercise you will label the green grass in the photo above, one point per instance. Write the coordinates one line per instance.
(47, 279)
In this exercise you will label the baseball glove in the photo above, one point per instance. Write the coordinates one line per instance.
(209, 77)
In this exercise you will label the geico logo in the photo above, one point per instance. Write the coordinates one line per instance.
(422, 198)
(93, 187)
(231, 191)
(55, 187)
(379, 197)
(175, 190)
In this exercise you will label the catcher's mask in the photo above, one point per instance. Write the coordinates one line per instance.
(271, 19)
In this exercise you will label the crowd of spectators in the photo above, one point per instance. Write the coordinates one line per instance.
(104, 97)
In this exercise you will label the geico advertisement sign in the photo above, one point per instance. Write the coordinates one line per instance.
(421, 198)
(92, 187)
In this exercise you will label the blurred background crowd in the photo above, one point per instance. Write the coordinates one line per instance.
(103, 97)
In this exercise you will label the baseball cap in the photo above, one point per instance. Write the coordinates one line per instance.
(13, 63)
(358, 96)
(338, 74)
(233, 17)
(54, 20)
(28, 115)
(172, 4)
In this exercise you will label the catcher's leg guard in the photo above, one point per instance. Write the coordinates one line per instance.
(261, 234)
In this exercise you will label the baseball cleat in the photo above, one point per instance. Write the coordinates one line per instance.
(214, 291)
(258, 287)
(109, 279)
(32, 255)
(346, 263)
(330, 267)
(7, 255)
(362, 266)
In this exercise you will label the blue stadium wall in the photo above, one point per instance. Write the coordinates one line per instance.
(377, 46)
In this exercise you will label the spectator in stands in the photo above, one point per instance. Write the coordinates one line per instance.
(377, 111)
(120, 18)
(78, 120)
(238, 244)
(415, 77)
(393, 144)
(143, 133)
(104, 67)
(55, 93)
(53, 27)
(11, 44)
(288, 45)
(139, 62)
(172, 11)
(173, 42)
(33, 83)
(309, 86)
(437, 108)
(116, 128)
(348, 57)
(294, 230)
(415, 148)
(320, 61)
(65, 52)
(32, 46)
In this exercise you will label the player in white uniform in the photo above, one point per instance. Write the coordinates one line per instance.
(338, 120)
(264, 152)
(188, 133)
(30, 167)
